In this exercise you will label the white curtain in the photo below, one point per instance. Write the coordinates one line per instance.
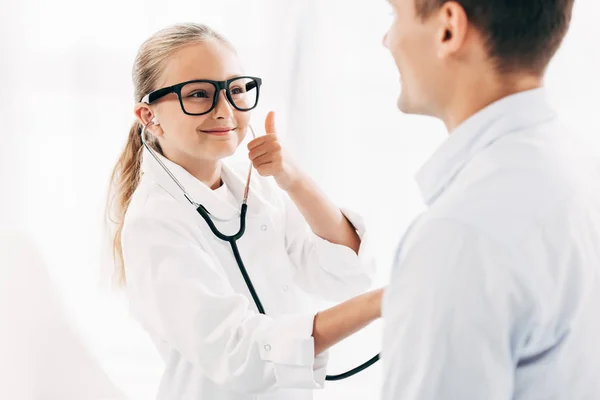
(66, 106)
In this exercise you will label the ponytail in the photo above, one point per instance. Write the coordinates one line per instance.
(148, 66)
(124, 180)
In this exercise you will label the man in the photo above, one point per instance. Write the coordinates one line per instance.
(496, 289)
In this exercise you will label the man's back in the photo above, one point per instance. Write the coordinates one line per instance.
(532, 193)
(502, 274)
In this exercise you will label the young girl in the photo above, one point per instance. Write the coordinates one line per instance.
(184, 284)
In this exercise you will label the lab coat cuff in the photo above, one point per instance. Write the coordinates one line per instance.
(359, 225)
(320, 369)
(291, 348)
(343, 261)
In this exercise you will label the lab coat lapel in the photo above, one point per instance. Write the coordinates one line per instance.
(235, 179)
(202, 194)
(198, 191)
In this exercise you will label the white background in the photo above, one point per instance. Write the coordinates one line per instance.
(66, 107)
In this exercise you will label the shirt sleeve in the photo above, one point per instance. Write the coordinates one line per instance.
(330, 271)
(185, 298)
(451, 313)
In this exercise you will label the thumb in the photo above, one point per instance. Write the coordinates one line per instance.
(270, 123)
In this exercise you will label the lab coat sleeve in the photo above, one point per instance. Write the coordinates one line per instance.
(451, 315)
(185, 298)
(330, 271)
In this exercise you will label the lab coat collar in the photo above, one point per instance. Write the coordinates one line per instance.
(506, 115)
(201, 193)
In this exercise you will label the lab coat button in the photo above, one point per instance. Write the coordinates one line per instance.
(285, 288)
(264, 227)
(268, 347)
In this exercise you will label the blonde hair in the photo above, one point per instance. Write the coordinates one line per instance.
(148, 66)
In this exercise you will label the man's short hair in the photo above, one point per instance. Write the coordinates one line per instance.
(521, 35)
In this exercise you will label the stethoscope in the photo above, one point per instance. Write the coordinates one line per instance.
(232, 240)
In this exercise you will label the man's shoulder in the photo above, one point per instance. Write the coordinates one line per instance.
(512, 187)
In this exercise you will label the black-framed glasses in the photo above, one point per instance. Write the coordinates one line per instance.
(201, 96)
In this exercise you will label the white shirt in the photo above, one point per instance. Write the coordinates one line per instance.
(185, 287)
(495, 294)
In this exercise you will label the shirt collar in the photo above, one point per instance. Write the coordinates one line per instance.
(200, 192)
(506, 115)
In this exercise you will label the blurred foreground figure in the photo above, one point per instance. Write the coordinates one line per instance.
(41, 355)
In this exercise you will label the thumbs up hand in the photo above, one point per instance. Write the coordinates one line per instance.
(269, 158)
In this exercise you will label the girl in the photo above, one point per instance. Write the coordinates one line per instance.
(184, 283)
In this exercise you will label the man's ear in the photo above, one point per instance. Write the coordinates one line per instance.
(453, 26)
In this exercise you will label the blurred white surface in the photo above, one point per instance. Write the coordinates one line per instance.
(42, 355)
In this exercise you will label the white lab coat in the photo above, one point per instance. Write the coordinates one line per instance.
(185, 287)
